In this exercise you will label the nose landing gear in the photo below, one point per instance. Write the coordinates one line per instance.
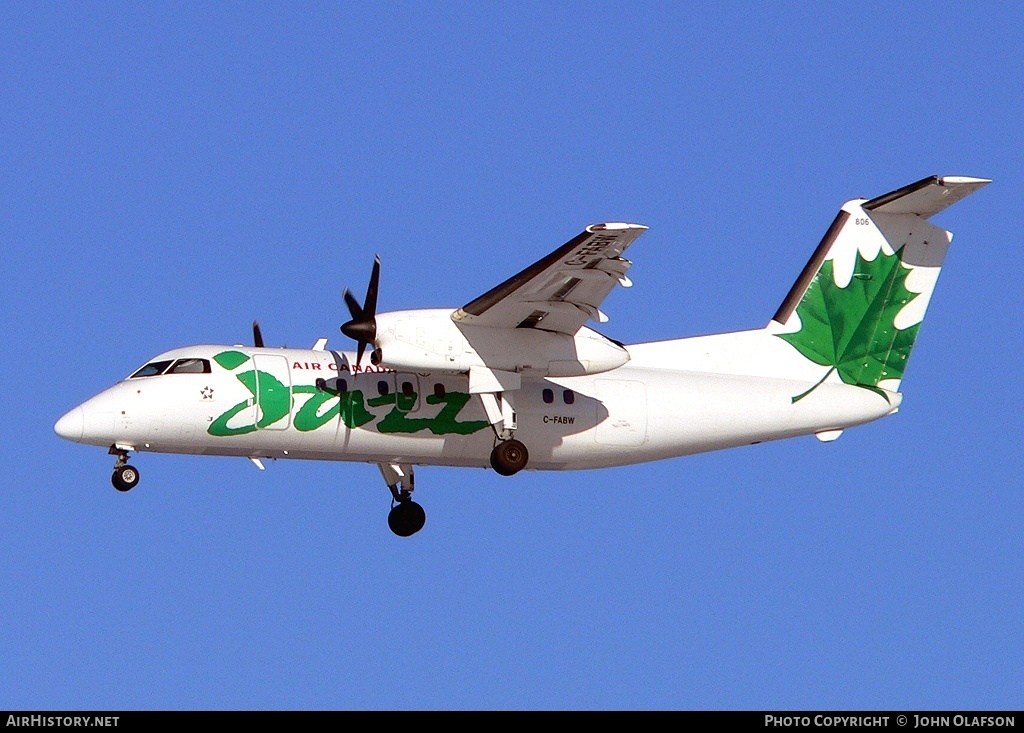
(125, 477)
(406, 517)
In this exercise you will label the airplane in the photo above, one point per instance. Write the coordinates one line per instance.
(515, 380)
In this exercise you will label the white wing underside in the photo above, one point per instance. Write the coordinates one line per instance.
(564, 290)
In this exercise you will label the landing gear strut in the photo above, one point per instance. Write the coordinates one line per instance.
(509, 457)
(406, 517)
(125, 477)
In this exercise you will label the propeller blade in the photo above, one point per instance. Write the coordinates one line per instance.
(359, 354)
(370, 304)
(257, 335)
(354, 309)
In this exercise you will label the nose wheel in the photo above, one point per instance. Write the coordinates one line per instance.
(125, 477)
(406, 518)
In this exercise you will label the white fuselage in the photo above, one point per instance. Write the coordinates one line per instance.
(267, 403)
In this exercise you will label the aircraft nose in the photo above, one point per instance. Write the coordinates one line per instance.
(72, 425)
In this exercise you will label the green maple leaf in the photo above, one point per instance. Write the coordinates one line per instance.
(851, 330)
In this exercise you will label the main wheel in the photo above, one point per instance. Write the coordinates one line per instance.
(406, 518)
(125, 478)
(509, 457)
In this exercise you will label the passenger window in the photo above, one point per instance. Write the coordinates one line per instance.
(321, 384)
(151, 369)
(548, 396)
(568, 396)
(190, 366)
(342, 385)
(382, 388)
(439, 391)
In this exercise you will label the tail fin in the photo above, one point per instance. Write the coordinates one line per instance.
(859, 302)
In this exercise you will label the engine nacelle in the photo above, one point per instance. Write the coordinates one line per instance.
(429, 341)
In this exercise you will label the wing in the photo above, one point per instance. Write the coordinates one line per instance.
(562, 291)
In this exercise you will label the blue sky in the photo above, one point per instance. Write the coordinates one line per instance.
(170, 173)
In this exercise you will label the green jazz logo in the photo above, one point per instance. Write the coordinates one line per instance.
(274, 401)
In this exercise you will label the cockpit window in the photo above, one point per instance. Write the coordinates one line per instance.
(190, 366)
(181, 366)
(152, 369)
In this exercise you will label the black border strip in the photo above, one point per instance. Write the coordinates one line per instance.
(900, 193)
(821, 719)
(810, 270)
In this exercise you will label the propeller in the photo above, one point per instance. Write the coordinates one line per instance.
(363, 326)
(257, 335)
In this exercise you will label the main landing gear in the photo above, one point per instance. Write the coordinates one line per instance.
(406, 517)
(125, 477)
(509, 457)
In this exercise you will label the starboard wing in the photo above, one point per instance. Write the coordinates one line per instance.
(562, 291)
